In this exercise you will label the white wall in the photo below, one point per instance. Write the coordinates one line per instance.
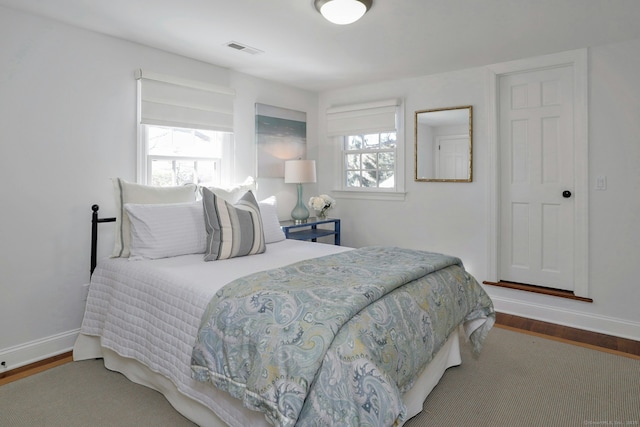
(452, 217)
(67, 126)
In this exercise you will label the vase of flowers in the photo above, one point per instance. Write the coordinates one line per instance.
(321, 204)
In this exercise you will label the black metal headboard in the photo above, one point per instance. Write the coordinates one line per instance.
(94, 234)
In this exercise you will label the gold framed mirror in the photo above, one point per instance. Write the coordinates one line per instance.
(444, 145)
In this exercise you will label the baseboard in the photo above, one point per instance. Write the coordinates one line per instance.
(35, 351)
(575, 319)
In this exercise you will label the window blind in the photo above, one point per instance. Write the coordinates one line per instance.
(359, 119)
(173, 101)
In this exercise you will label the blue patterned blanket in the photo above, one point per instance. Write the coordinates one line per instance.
(336, 340)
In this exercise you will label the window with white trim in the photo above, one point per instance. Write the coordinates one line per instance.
(177, 156)
(369, 160)
(185, 131)
(370, 155)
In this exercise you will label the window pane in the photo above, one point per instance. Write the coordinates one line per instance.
(387, 179)
(353, 179)
(172, 172)
(386, 160)
(369, 161)
(207, 172)
(180, 172)
(369, 179)
(176, 156)
(353, 161)
(372, 141)
(162, 173)
(354, 142)
(164, 141)
(388, 140)
(185, 172)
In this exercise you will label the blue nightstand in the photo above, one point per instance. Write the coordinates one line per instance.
(310, 231)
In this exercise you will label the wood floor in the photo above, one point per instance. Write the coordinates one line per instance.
(34, 368)
(597, 341)
(593, 340)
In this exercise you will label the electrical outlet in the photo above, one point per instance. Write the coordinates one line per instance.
(3, 366)
(601, 182)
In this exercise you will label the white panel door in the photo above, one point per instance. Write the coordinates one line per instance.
(453, 157)
(536, 164)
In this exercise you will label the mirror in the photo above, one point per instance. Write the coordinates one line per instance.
(443, 145)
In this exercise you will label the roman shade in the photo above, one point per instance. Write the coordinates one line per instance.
(177, 102)
(360, 119)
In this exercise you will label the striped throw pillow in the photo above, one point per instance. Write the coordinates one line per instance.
(233, 230)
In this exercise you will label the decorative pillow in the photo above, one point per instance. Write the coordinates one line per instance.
(234, 193)
(232, 230)
(270, 222)
(166, 230)
(127, 192)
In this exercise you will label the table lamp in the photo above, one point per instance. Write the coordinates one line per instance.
(299, 172)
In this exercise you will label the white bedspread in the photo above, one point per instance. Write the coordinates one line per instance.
(150, 310)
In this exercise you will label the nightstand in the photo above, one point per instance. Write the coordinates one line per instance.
(310, 231)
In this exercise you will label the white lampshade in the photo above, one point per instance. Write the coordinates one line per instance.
(342, 12)
(299, 171)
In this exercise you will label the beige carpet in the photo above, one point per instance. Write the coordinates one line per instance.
(518, 380)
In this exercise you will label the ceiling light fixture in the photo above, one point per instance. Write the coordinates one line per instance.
(342, 12)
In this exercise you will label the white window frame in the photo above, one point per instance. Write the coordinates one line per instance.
(371, 193)
(224, 165)
(346, 151)
(176, 102)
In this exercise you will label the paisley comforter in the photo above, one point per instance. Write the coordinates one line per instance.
(336, 340)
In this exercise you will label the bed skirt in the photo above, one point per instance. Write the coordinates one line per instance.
(89, 347)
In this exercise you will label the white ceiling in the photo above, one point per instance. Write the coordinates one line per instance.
(395, 39)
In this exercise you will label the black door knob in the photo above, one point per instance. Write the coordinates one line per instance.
(566, 194)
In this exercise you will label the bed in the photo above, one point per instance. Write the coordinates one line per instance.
(147, 317)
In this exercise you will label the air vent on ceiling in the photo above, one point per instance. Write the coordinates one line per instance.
(244, 48)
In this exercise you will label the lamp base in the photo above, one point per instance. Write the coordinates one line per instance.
(300, 213)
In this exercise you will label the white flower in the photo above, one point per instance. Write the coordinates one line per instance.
(321, 203)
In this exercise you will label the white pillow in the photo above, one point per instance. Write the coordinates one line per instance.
(234, 193)
(270, 222)
(166, 230)
(127, 192)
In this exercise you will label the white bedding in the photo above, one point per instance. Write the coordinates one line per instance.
(149, 312)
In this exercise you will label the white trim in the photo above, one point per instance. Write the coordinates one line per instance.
(493, 186)
(141, 146)
(581, 173)
(365, 106)
(192, 125)
(398, 192)
(572, 318)
(35, 351)
(369, 195)
(578, 59)
(179, 81)
(189, 105)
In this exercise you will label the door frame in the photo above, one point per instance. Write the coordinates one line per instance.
(578, 59)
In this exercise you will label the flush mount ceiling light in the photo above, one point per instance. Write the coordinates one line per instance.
(342, 12)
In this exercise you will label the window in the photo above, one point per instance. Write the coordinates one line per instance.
(185, 131)
(177, 156)
(369, 160)
(371, 157)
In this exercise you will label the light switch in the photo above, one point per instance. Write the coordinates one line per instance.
(601, 182)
